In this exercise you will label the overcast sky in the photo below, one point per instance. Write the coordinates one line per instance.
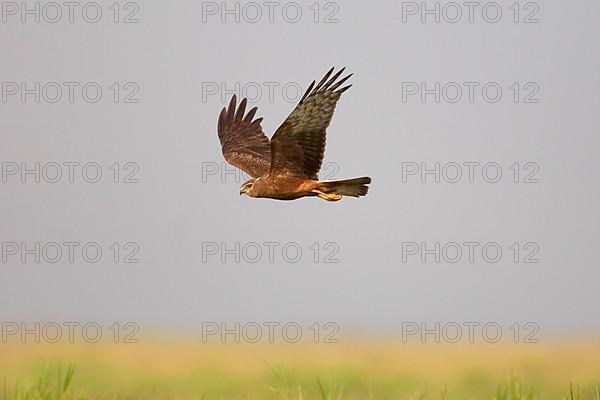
(476, 94)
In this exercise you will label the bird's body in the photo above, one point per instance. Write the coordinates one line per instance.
(280, 187)
(292, 188)
(286, 167)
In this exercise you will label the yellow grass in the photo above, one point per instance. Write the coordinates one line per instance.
(350, 370)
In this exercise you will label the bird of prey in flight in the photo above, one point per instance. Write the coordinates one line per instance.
(286, 167)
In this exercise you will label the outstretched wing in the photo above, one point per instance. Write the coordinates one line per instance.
(298, 145)
(243, 142)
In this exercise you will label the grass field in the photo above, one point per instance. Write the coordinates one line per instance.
(182, 369)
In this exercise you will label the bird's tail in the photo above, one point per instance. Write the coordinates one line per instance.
(334, 190)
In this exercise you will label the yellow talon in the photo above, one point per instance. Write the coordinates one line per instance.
(328, 197)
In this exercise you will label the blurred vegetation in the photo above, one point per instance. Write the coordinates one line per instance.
(304, 371)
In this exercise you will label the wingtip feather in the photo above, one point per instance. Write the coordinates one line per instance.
(342, 90)
(333, 79)
(241, 110)
(250, 115)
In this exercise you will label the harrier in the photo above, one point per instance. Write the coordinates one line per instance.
(286, 167)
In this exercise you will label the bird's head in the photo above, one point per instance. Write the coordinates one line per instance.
(248, 188)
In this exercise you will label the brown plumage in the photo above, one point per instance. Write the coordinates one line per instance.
(286, 167)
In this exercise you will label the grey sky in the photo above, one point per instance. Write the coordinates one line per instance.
(172, 56)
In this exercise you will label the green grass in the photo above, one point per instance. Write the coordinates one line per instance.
(48, 386)
(169, 369)
(57, 384)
